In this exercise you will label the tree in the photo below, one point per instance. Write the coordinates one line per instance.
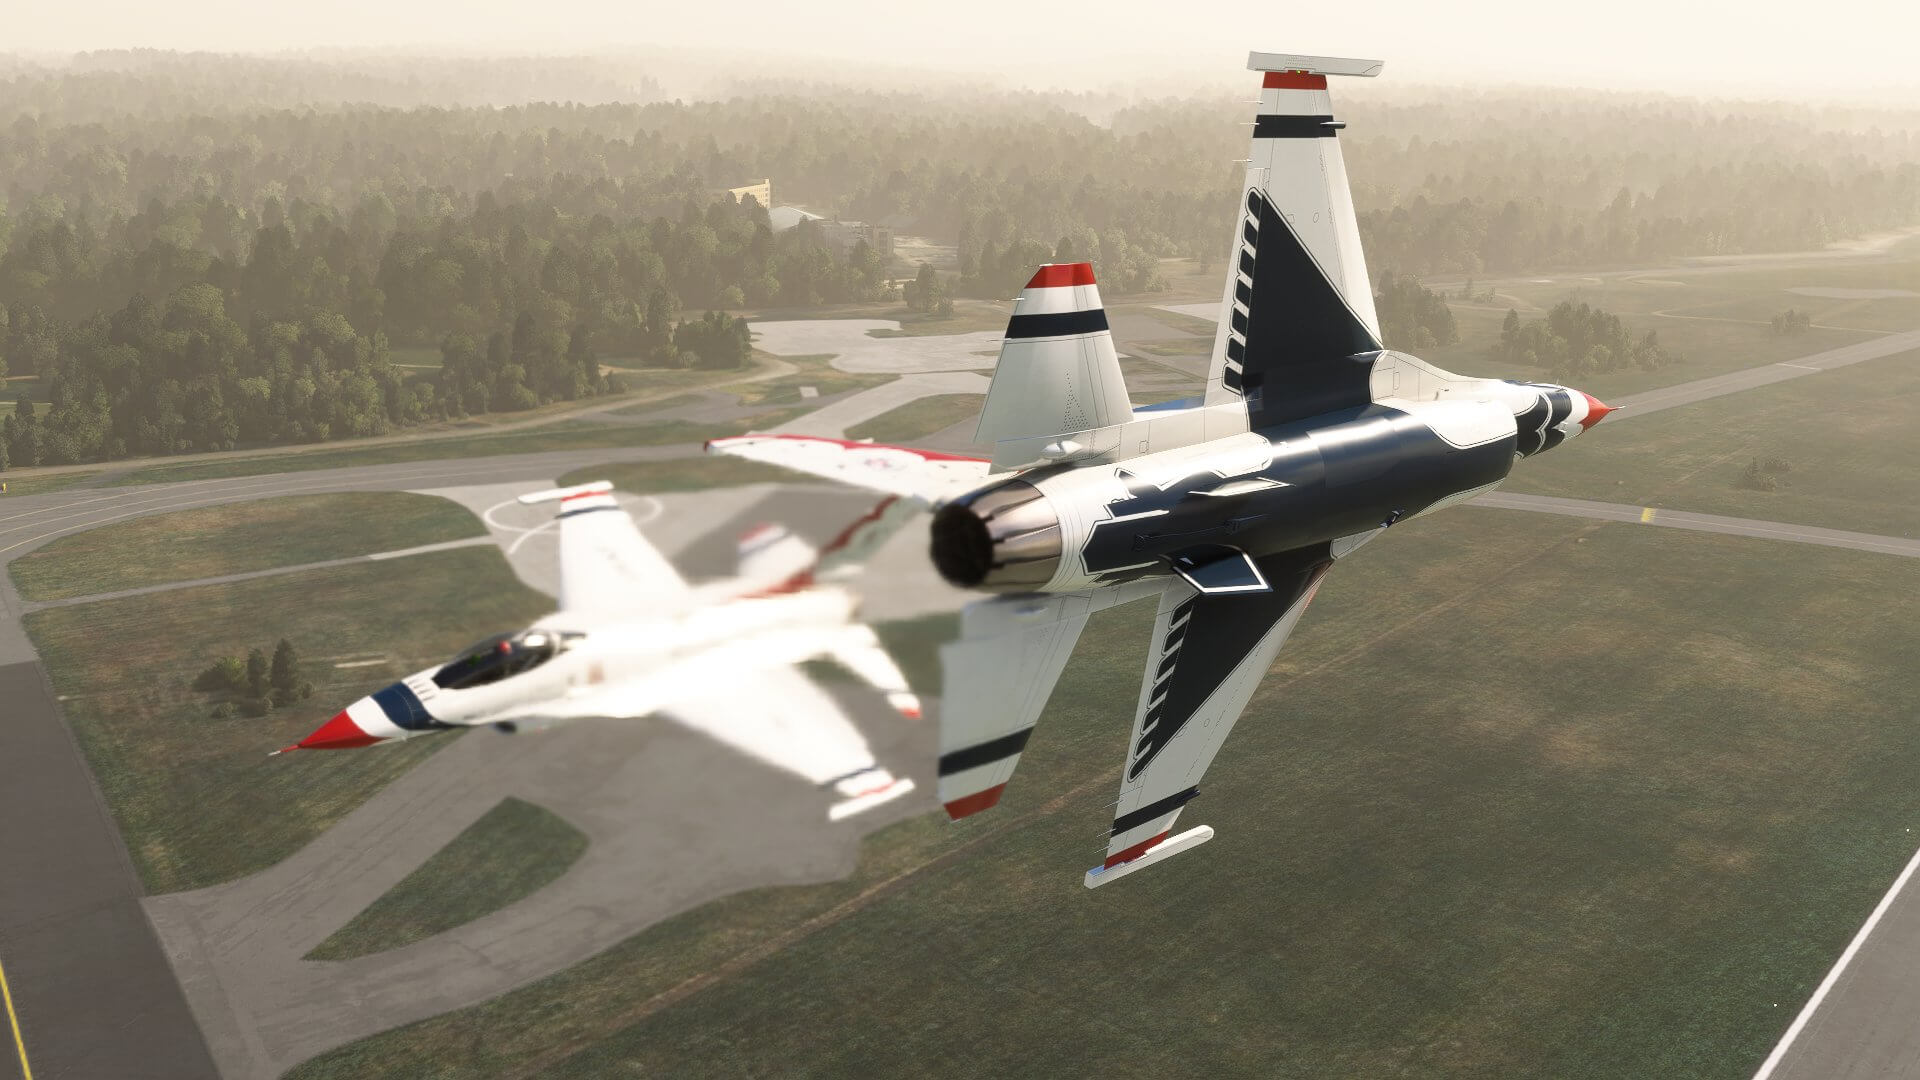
(285, 671)
(225, 675)
(1411, 316)
(581, 359)
(715, 341)
(257, 669)
(923, 293)
(284, 676)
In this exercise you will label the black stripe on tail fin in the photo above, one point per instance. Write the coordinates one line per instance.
(1294, 346)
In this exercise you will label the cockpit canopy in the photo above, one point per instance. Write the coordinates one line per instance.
(499, 657)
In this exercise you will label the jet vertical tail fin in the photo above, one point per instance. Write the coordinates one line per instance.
(770, 553)
(1058, 372)
(1298, 310)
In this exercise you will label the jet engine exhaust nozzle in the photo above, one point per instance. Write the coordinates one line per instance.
(1004, 539)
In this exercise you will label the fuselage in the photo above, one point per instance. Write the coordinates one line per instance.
(561, 669)
(1343, 474)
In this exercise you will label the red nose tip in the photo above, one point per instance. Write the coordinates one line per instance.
(1596, 411)
(339, 733)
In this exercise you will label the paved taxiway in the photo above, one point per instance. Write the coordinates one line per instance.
(93, 990)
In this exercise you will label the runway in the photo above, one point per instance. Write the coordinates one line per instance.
(1860, 1023)
(92, 991)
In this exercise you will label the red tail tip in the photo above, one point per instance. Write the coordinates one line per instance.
(1056, 275)
(974, 803)
(339, 733)
(1133, 852)
(1596, 411)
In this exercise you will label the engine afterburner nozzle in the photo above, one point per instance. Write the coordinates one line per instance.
(1005, 538)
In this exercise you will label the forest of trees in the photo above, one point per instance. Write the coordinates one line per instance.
(146, 346)
(1576, 339)
(199, 252)
(1412, 317)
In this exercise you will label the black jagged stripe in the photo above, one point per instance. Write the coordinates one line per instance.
(1058, 324)
(1153, 810)
(1222, 631)
(986, 753)
(1305, 347)
(1294, 127)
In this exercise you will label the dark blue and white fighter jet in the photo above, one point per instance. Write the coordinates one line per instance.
(1312, 438)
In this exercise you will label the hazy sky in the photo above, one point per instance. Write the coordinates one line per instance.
(1837, 48)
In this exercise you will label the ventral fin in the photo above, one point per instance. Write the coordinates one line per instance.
(1219, 569)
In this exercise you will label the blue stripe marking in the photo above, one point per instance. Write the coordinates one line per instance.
(585, 510)
(403, 707)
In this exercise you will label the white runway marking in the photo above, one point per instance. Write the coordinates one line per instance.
(1813, 1003)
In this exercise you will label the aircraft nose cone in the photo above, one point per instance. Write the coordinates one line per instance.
(339, 733)
(1596, 411)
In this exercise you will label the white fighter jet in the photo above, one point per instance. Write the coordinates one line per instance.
(632, 638)
(1312, 439)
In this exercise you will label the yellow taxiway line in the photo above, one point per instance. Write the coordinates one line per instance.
(19, 1044)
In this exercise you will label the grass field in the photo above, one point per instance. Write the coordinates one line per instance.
(687, 474)
(196, 798)
(1481, 820)
(1850, 435)
(37, 485)
(236, 538)
(1717, 322)
(1202, 329)
(918, 419)
(512, 852)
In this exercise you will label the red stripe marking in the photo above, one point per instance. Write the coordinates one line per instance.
(1597, 411)
(1293, 80)
(929, 455)
(1056, 275)
(1133, 852)
(581, 495)
(846, 534)
(339, 733)
(974, 803)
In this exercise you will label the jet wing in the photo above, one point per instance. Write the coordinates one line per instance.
(605, 564)
(1209, 652)
(778, 716)
(997, 676)
(926, 476)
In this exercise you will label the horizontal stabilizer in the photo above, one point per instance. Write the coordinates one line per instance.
(1314, 65)
(926, 476)
(771, 554)
(1192, 838)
